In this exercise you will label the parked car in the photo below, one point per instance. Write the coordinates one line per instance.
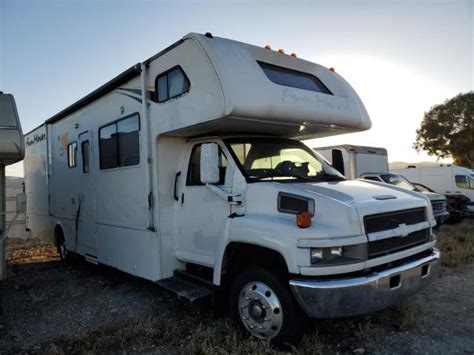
(438, 201)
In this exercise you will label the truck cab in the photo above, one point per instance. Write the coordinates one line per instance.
(286, 232)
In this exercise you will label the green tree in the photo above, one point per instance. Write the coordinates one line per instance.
(447, 130)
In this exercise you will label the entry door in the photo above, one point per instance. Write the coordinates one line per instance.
(202, 214)
(86, 219)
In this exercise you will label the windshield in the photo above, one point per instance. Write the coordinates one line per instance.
(399, 181)
(269, 159)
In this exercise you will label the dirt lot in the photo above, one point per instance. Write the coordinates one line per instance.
(52, 307)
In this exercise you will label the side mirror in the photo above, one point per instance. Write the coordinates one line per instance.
(210, 163)
(21, 203)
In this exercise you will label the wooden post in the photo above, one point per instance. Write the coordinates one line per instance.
(3, 256)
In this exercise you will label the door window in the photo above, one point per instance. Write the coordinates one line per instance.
(194, 169)
(85, 157)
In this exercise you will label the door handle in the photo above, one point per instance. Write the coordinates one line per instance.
(175, 193)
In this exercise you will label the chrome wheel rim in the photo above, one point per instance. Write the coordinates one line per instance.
(63, 251)
(260, 310)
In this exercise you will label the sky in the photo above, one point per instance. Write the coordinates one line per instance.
(402, 57)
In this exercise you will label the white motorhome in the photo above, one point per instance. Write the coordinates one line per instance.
(188, 170)
(445, 179)
(11, 151)
(371, 163)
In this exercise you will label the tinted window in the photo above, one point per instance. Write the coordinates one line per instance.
(194, 170)
(171, 84)
(464, 182)
(162, 88)
(120, 143)
(85, 157)
(108, 147)
(293, 78)
(128, 141)
(71, 155)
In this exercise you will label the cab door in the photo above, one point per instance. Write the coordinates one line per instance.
(202, 214)
(85, 220)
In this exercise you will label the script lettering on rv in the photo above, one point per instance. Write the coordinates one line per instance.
(329, 102)
(36, 139)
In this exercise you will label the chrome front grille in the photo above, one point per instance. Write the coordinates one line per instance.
(395, 244)
(391, 220)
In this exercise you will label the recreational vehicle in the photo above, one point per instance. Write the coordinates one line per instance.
(188, 170)
(371, 163)
(453, 181)
(11, 151)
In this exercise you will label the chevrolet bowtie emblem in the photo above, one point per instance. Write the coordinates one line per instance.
(403, 230)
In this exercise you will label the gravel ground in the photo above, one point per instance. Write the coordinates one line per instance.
(53, 307)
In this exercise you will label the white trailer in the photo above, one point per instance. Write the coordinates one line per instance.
(11, 151)
(451, 180)
(187, 170)
(353, 160)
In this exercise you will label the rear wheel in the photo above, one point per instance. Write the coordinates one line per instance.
(64, 255)
(262, 305)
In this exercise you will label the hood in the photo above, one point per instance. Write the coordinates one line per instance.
(340, 207)
(433, 196)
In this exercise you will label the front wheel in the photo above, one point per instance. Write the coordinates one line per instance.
(262, 305)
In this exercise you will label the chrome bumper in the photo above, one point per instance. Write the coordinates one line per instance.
(353, 296)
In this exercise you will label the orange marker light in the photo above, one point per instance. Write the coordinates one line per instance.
(303, 219)
(332, 69)
(282, 51)
(293, 54)
(268, 47)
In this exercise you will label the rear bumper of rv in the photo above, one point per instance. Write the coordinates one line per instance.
(343, 297)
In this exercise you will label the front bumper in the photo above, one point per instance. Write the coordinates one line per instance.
(359, 295)
(441, 217)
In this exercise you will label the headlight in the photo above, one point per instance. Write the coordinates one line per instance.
(338, 255)
(319, 255)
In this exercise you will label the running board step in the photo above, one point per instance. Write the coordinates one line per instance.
(189, 288)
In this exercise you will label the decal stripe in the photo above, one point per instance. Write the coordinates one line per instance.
(132, 97)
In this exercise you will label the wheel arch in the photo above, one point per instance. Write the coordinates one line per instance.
(240, 255)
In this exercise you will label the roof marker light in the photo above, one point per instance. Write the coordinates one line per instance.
(268, 47)
(281, 50)
(209, 35)
(332, 69)
(293, 54)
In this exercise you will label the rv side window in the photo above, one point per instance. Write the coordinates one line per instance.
(293, 78)
(85, 156)
(194, 169)
(171, 84)
(119, 144)
(71, 154)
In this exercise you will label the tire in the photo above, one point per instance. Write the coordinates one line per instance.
(253, 294)
(64, 254)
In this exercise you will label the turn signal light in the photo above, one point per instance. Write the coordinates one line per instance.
(303, 219)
